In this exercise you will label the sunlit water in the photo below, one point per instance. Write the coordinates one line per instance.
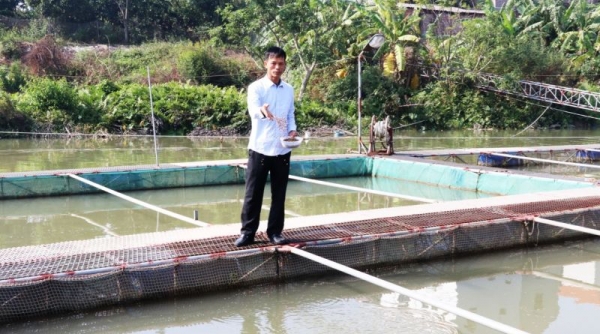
(541, 290)
(54, 219)
(26, 154)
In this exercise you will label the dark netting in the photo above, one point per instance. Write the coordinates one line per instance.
(209, 274)
(76, 293)
(57, 278)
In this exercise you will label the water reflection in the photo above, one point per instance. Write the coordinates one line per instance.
(31, 154)
(549, 289)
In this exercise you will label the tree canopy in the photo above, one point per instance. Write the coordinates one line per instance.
(415, 76)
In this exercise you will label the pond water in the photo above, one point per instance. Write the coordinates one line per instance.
(44, 220)
(32, 154)
(541, 290)
(551, 289)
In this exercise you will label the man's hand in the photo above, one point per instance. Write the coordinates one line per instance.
(293, 134)
(265, 111)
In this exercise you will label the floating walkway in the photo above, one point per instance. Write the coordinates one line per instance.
(77, 275)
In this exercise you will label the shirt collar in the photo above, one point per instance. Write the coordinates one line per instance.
(266, 82)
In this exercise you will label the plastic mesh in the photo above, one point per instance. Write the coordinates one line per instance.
(67, 277)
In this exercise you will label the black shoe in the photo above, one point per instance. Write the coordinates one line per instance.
(277, 239)
(244, 240)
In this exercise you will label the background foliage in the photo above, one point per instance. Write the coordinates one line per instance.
(199, 56)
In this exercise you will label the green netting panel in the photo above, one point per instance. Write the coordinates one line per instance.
(472, 180)
(214, 175)
(344, 167)
(423, 172)
(34, 186)
(55, 185)
(512, 184)
(157, 178)
(423, 190)
(166, 178)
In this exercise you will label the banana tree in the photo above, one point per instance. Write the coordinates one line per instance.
(401, 31)
(572, 29)
(581, 29)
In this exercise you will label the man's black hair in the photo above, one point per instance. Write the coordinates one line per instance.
(275, 52)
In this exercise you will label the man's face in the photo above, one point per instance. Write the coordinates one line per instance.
(275, 68)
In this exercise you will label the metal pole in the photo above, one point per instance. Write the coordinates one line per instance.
(359, 101)
(152, 111)
(409, 293)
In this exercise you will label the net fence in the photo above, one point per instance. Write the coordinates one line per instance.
(73, 276)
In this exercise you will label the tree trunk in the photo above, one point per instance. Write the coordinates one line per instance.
(126, 22)
(124, 9)
(126, 31)
(307, 75)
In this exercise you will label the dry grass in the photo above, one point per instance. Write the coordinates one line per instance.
(47, 57)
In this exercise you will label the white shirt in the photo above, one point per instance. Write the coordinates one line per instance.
(265, 134)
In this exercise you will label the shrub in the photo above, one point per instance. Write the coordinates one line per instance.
(11, 47)
(12, 78)
(450, 106)
(10, 118)
(310, 113)
(53, 103)
(205, 65)
(197, 65)
(178, 108)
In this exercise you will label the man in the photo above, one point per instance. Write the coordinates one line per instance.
(271, 109)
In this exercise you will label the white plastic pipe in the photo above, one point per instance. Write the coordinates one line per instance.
(138, 202)
(396, 288)
(376, 192)
(566, 226)
(574, 164)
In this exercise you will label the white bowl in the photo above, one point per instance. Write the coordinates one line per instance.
(291, 144)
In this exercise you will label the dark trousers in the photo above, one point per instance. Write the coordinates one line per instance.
(259, 166)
